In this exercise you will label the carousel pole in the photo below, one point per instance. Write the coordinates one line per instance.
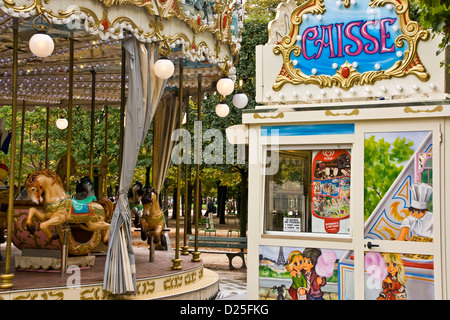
(106, 127)
(22, 134)
(65, 227)
(69, 113)
(6, 278)
(187, 207)
(196, 253)
(105, 187)
(91, 152)
(177, 260)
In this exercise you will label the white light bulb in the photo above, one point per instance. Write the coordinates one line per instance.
(62, 123)
(225, 86)
(222, 110)
(240, 100)
(41, 45)
(164, 68)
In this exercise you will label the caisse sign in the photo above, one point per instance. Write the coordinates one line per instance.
(343, 43)
(331, 187)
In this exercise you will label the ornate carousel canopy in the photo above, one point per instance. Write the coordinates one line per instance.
(204, 34)
(101, 49)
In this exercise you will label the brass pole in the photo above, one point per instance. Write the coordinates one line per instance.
(187, 208)
(91, 153)
(6, 278)
(196, 253)
(69, 114)
(47, 162)
(106, 128)
(64, 250)
(156, 172)
(177, 260)
(106, 146)
(22, 135)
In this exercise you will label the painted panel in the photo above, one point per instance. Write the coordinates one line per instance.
(398, 179)
(388, 276)
(395, 276)
(398, 202)
(295, 273)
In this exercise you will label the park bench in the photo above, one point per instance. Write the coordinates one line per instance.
(207, 225)
(222, 242)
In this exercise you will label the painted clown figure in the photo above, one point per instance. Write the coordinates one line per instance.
(420, 221)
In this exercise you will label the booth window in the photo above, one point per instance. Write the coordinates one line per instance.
(307, 191)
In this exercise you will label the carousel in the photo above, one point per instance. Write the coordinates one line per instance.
(145, 58)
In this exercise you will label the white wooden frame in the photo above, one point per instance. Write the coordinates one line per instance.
(355, 240)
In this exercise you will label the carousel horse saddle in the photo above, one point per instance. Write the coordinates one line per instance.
(82, 206)
(85, 210)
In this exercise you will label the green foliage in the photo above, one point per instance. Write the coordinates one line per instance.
(382, 164)
(267, 272)
(254, 33)
(262, 10)
(34, 146)
(435, 15)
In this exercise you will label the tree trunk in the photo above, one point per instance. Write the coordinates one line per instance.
(221, 201)
(147, 176)
(175, 204)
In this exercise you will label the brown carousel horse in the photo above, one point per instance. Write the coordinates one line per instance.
(152, 216)
(45, 187)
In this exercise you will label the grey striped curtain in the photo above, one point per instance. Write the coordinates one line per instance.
(144, 92)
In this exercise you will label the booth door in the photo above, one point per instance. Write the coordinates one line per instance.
(400, 248)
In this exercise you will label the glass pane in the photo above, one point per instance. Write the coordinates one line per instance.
(398, 180)
(291, 273)
(309, 191)
(395, 276)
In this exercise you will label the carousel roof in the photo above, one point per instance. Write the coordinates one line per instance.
(203, 34)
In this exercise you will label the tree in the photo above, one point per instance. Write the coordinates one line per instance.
(435, 15)
(35, 136)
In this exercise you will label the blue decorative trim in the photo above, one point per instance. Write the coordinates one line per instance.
(308, 130)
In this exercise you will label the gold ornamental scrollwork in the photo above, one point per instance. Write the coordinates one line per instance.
(103, 23)
(355, 112)
(280, 115)
(40, 295)
(410, 64)
(438, 108)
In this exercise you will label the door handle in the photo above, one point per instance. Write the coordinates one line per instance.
(370, 245)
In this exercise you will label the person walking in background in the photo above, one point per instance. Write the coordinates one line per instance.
(210, 207)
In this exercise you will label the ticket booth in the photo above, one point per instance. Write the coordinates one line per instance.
(346, 156)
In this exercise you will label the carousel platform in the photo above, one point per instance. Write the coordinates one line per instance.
(155, 280)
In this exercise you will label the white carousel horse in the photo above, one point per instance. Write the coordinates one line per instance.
(45, 187)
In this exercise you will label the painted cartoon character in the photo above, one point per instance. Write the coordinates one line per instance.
(420, 221)
(395, 282)
(298, 288)
(313, 280)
